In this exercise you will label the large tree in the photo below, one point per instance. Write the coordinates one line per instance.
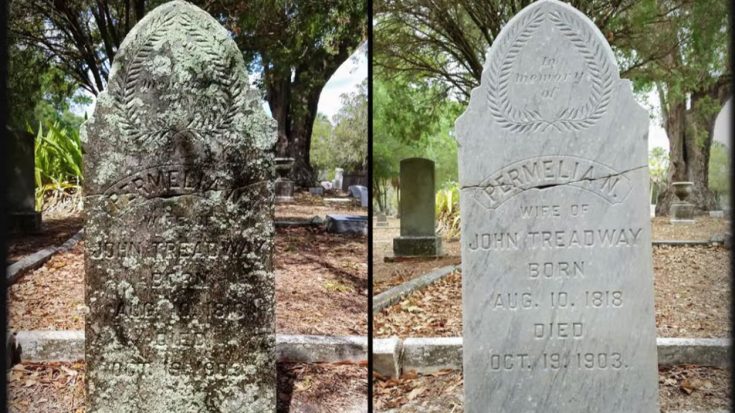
(296, 46)
(692, 79)
(678, 47)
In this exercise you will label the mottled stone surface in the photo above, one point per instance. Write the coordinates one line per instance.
(417, 210)
(556, 238)
(179, 228)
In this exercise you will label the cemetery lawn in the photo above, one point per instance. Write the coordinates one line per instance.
(680, 388)
(692, 298)
(59, 387)
(321, 287)
(53, 233)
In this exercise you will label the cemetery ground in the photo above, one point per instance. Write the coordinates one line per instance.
(321, 289)
(692, 300)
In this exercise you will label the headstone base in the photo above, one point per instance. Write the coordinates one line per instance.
(347, 224)
(284, 191)
(682, 213)
(416, 246)
(25, 222)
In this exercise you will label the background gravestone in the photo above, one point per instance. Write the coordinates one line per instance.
(557, 288)
(21, 185)
(179, 230)
(417, 210)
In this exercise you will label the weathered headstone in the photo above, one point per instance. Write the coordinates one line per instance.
(284, 187)
(338, 178)
(382, 220)
(557, 287)
(21, 185)
(316, 190)
(347, 224)
(179, 233)
(418, 232)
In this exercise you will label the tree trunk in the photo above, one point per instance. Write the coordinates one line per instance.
(690, 133)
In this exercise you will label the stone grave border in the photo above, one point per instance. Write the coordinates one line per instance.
(315, 221)
(397, 293)
(68, 345)
(32, 261)
(426, 355)
(692, 243)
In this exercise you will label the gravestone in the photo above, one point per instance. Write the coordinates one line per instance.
(557, 284)
(179, 178)
(347, 224)
(338, 177)
(21, 186)
(382, 220)
(418, 232)
(284, 187)
(316, 190)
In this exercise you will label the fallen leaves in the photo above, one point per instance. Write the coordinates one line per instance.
(693, 388)
(433, 311)
(703, 230)
(692, 291)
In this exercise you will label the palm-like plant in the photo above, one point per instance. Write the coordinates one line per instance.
(58, 156)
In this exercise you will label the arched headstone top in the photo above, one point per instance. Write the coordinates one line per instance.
(549, 70)
(178, 200)
(179, 79)
(418, 161)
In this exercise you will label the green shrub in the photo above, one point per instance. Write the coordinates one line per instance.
(447, 211)
(58, 154)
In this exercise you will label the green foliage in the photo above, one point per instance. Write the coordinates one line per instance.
(344, 144)
(719, 171)
(58, 157)
(411, 119)
(447, 210)
(322, 158)
(658, 169)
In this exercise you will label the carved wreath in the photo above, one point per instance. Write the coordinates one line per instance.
(568, 119)
(129, 81)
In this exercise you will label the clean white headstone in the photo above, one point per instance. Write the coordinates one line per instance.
(556, 237)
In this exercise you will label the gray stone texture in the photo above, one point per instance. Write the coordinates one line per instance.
(714, 352)
(682, 213)
(557, 288)
(417, 210)
(387, 356)
(178, 187)
(321, 349)
(431, 354)
(347, 224)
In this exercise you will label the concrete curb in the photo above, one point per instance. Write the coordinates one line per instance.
(38, 258)
(317, 349)
(299, 223)
(69, 346)
(397, 293)
(680, 243)
(426, 355)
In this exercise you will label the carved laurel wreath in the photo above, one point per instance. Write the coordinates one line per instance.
(131, 79)
(568, 119)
